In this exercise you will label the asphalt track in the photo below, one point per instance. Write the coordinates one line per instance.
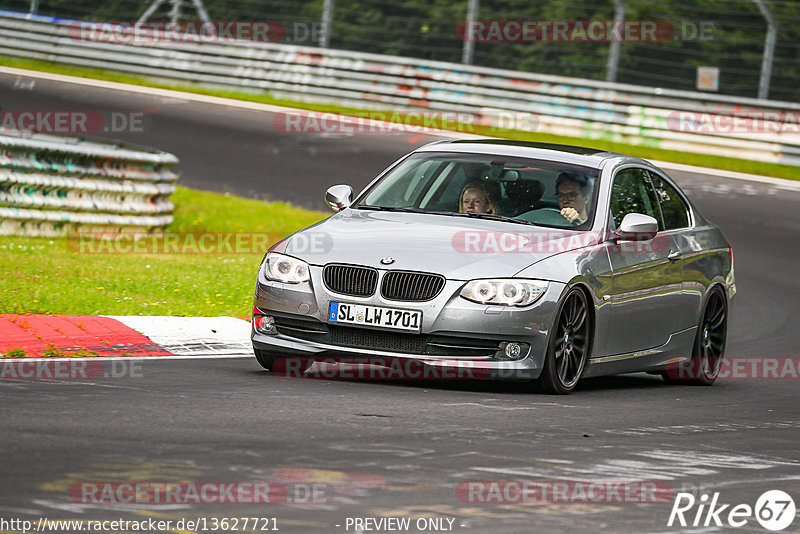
(400, 449)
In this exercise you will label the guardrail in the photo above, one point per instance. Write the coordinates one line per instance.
(55, 185)
(753, 129)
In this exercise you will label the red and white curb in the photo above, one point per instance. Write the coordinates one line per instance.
(188, 336)
(126, 336)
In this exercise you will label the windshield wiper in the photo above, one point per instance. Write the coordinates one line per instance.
(493, 217)
(474, 214)
(389, 208)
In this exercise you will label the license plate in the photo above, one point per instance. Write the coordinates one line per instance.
(375, 316)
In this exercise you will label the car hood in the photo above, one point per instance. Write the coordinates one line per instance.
(459, 248)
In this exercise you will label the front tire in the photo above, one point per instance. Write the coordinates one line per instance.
(569, 345)
(709, 345)
(267, 361)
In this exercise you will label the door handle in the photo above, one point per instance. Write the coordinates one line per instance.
(674, 255)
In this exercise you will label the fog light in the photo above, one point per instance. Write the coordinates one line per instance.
(513, 351)
(264, 324)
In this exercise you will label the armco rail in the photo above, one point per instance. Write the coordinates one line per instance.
(52, 185)
(677, 120)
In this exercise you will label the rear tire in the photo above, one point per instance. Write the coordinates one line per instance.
(709, 345)
(267, 361)
(568, 346)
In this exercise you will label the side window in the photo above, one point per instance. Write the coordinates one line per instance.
(632, 193)
(675, 211)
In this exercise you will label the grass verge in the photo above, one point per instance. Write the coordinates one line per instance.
(599, 140)
(54, 276)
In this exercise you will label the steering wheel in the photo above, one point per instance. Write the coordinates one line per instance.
(551, 216)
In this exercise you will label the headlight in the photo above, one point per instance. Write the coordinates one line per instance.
(285, 269)
(507, 292)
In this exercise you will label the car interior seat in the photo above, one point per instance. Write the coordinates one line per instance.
(522, 196)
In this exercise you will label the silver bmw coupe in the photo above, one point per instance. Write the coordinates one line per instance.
(512, 260)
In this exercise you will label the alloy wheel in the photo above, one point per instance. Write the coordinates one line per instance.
(569, 346)
(712, 336)
(571, 338)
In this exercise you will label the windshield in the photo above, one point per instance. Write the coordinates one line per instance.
(521, 190)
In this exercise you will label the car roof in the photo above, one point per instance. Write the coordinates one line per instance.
(576, 155)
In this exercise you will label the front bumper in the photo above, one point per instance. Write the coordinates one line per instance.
(455, 334)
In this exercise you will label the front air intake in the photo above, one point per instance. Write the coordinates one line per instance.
(410, 286)
(350, 280)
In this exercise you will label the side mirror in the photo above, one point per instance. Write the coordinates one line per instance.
(637, 227)
(339, 197)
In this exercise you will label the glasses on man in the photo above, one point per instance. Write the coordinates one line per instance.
(572, 195)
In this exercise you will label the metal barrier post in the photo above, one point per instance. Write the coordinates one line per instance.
(327, 17)
(614, 47)
(469, 44)
(769, 50)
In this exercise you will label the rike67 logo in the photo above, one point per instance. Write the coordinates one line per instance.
(774, 510)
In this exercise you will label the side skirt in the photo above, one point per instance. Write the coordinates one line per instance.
(677, 348)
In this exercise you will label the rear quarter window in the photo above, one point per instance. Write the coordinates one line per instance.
(673, 208)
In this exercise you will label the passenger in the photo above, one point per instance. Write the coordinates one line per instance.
(475, 198)
(573, 197)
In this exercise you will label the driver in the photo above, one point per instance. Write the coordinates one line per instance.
(572, 193)
(475, 198)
